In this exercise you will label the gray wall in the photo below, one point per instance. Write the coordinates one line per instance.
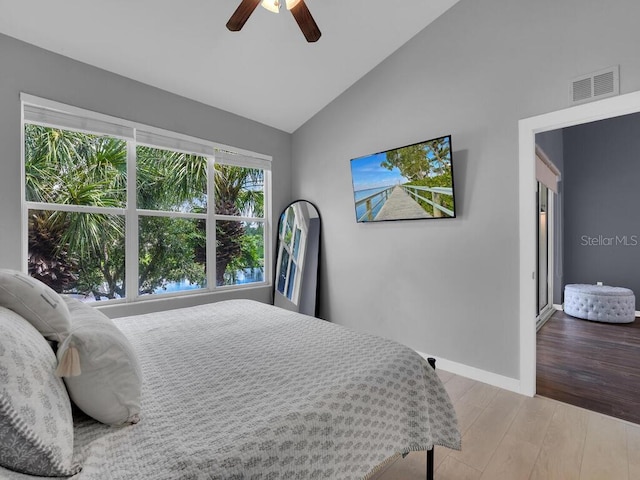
(450, 287)
(602, 225)
(25, 68)
(551, 143)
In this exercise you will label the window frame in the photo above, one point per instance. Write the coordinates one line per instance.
(293, 293)
(44, 112)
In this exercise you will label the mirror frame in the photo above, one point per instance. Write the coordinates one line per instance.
(307, 273)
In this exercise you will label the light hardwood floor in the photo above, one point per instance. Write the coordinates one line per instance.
(511, 437)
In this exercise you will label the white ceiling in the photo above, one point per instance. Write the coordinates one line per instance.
(266, 72)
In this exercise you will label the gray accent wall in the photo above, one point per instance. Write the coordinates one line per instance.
(601, 198)
(26, 68)
(450, 287)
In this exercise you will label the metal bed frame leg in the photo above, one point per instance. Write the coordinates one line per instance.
(432, 362)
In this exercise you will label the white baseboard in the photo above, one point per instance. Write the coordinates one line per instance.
(500, 381)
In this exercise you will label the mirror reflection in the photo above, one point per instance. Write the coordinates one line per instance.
(298, 247)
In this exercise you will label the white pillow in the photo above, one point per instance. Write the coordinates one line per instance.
(109, 385)
(36, 427)
(35, 302)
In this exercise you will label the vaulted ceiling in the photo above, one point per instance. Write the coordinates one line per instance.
(267, 72)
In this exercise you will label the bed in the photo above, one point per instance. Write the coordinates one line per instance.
(242, 390)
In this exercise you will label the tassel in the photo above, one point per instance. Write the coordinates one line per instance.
(69, 364)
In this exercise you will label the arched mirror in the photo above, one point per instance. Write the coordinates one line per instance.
(298, 249)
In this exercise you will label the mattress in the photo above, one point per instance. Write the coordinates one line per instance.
(243, 390)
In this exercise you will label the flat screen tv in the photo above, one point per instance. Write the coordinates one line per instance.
(407, 183)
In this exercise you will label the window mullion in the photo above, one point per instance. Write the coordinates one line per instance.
(238, 218)
(131, 228)
(267, 227)
(63, 207)
(169, 214)
(211, 225)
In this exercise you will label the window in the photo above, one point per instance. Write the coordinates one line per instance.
(293, 239)
(116, 210)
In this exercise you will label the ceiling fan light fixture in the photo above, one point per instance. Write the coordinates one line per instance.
(292, 3)
(298, 9)
(272, 5)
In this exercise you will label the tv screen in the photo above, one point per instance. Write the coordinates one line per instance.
(406, 183)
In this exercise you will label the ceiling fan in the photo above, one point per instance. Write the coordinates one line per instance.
(298, 9)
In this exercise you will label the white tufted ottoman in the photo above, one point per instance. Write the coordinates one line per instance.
(600, 303)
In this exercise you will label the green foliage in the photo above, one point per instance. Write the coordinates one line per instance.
(439, 181)
(425, 164)
(85, 252)
(238, 192)
(420, 161)
(167, 252)
(170, 181)
(251, 254)
(74, 168)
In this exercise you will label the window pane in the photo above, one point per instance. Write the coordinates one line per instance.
(171, 181)
(239, 191)
(74, 168)
(172, 255)
(239, 252)
(282, 277)
(291, 217)
(78, 253)
(283, 224)
(292, 279)
(296, 243)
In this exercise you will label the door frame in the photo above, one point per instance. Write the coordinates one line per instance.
(527, 129)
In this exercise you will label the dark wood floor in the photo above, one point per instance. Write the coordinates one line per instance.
(590, 364)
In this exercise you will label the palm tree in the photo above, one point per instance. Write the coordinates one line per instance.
(72, 168)
(48, 262)
(238, 191)
(85, 251)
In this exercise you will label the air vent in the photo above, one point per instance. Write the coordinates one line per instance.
(602, 84)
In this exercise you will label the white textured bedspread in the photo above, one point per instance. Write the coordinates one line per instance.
(242, 390)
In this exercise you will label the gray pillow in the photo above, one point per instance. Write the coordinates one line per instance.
(36, 427)
(35, 302)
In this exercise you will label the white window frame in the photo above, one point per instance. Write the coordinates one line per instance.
(303, 226)
(48, 113)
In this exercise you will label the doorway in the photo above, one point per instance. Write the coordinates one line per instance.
(607, 108)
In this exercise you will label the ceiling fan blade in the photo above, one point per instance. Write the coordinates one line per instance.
(306, 22)
(242, 14)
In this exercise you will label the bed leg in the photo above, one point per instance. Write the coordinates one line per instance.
(432, 362)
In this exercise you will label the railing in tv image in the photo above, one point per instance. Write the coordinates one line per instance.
(411, 182)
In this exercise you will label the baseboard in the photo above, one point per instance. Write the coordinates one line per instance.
(500, 381)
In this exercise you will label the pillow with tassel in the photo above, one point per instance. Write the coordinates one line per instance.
(100, 367)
